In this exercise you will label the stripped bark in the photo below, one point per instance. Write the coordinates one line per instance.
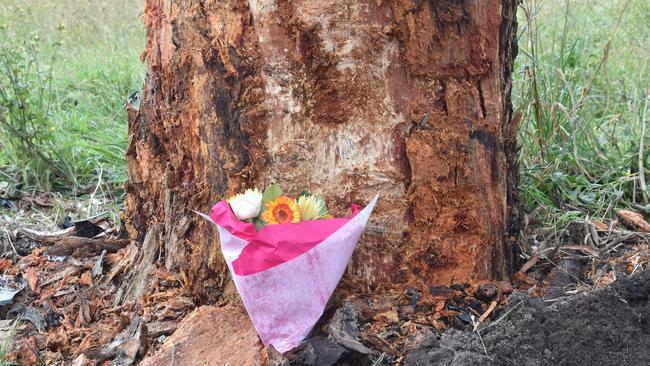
(409, 98)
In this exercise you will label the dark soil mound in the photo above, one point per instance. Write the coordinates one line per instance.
(607, 327)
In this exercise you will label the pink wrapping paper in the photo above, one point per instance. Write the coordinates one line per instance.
(286, 273)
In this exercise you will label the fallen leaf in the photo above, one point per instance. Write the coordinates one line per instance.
(31, 277)
(440, 305)
(5, 264)
(601, 226)
(390, 317)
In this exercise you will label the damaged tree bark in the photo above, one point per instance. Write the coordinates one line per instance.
(347, 98)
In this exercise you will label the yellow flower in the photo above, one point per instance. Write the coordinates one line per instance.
(312, 207)
(282, 210)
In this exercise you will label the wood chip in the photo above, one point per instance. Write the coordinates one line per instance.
(98, 268)
(123, 349)
(634, 220)
(67, 271)
(86, 279)
(166, 327)
(5, 264)
(31, 277)
(593, 232)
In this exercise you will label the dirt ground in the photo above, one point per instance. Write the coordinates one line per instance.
(605, 327)
(582, 298)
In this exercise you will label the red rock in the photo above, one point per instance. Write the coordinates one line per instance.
(212, 336)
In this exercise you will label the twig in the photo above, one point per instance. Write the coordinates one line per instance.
(642, 185)
(583, 248)
(621, 239)
(98, 268)
(99, 182)
(493, 305)
(44, 236)
(94, 218)
(38, 355)
(379, 360)
(11, 242)
(502, 317)
(594, 233)
(535, 257)
(476, 324)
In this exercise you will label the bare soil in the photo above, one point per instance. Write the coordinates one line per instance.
(604, 327)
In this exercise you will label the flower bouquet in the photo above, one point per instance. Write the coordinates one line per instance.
(286, 257)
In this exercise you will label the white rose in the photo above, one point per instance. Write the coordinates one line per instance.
(247, 205)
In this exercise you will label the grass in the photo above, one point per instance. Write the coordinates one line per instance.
(7, 340)
(581, 84)
(74, 64)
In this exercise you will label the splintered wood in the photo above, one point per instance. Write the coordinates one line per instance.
(68, 305)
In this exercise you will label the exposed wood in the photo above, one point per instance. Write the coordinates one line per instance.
(158, 328)
(634, 220)
(223, 336)
(123, 349)
(138, 266)
(486, 314)
(46, 236)
(98, 267)
(78, 246)
(346, 98)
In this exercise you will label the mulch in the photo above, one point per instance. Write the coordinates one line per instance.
(71, 308)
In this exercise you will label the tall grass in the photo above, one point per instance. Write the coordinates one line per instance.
(581, 83)
(83, 57)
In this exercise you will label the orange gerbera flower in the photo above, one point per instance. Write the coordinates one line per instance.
(282, 210)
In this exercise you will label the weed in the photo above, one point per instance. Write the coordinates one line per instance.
(86, 70)
(581, 82)
(7, 341)
(582, 86)
(25, 100)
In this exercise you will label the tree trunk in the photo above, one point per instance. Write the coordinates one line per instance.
(407, 98)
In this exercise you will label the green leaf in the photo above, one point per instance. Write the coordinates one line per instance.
(589, 197)
(258, 223)
(271, 192)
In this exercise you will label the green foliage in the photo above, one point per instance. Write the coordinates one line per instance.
(259, 223)
(271, 192)
(581, 83)
(64, 124)
(25, 100)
